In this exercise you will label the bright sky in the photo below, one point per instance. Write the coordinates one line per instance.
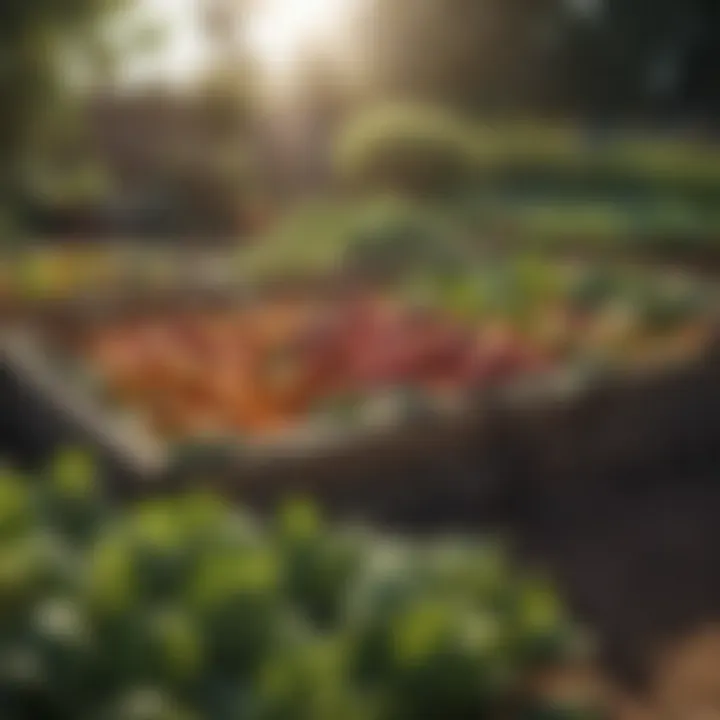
(277, 32)
(281, 29)
(181, 51)
(185, 47)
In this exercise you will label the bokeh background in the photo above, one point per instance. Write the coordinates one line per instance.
(455, 153)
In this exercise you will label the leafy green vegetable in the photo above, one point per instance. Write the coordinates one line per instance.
(185, 608)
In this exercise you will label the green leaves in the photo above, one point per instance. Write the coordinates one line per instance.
(444, 660)
(21, 575)
(39, 47)
(73, 473)
(236, 598)
(72, 498)
(111, 584)
(184, 608)
(15, 505)
(407, 148)
(305, 682)
(317, 565)
(147, 704)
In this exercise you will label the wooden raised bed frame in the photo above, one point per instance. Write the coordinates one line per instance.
(552, 438)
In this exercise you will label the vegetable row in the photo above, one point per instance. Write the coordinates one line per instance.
(270, 366)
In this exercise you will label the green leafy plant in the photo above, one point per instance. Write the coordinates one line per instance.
(186, 608)
(407, 148)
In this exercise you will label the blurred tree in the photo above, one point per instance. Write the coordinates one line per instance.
(179, 156)
(63, 120)
(321, 99)
(631, 56)
(669, 54)
(40, 43)
(225, 104)
(602, 59)
(479, 54)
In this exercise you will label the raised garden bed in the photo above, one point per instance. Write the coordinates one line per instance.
(423, 461)
(347, 468)
(627, 432)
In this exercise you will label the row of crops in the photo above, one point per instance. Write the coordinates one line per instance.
(546, 187)
(185, 608)
(617, 157)
(265, 365)
(54, 272)
(654, 231)
(271, 366)
(431, 395)
(379, 236)
(409, 324)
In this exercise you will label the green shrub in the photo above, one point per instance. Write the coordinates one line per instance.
(392, 238)
(383, 236)
(407, 148)
(186, 608)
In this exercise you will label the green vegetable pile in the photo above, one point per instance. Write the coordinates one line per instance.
(184, 608)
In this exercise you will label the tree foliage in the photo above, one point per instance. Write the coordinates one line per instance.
(597, 58)
(39, 42)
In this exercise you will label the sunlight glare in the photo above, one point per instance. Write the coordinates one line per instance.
(282, 29)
